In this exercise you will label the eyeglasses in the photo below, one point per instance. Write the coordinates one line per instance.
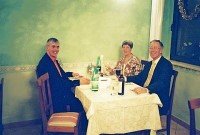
(154, 48)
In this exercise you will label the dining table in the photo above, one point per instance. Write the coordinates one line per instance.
(110, 113)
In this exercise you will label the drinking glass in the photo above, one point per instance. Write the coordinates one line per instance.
(118, 71)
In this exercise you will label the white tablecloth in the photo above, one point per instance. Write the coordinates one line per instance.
(110, 113)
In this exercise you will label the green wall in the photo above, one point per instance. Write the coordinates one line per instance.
(187, 84)
(85, 28)
(20, 97)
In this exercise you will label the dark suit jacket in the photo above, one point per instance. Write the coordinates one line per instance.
(160, 82)
(60, 86)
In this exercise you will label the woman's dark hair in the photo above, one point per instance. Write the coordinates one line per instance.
(128, 42)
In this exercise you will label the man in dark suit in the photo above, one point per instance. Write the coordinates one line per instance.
(59, 82)
(156, 76)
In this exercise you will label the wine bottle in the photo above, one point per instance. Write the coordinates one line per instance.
(95, 80)
(102, 64)
(99, 65)
(121, 80)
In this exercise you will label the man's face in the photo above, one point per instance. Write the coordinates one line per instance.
(53, 49)
(155, 50)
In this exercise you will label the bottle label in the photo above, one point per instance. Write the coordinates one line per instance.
(95, 85)
(120, 88)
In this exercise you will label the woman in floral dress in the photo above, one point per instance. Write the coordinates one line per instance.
(129, 63)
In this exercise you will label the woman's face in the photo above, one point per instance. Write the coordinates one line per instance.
(126, 50)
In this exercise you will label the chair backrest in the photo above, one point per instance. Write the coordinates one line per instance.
(171, 97)
(193, 104)
(46, 105)
(1, 103)
(144, 62)
(172, 90)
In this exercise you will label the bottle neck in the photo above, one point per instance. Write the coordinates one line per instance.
(121, 78)
(122, 72)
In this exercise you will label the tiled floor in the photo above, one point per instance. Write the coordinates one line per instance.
(176, 129)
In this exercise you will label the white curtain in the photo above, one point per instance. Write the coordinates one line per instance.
(156, 19)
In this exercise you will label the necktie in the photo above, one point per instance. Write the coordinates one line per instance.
(57, 67)
(150, 74)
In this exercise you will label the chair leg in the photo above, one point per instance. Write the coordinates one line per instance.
(83, 122)
(1, 129)
(44, 132)
(168, 124)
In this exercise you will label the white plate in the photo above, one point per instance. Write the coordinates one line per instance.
(73, 78)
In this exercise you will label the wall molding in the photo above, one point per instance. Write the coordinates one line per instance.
(24, 68)
(22, 124)
(187, 67)
(28, 68)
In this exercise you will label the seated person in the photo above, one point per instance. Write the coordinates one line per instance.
(156, 76)
(59, 83)
(129, 63)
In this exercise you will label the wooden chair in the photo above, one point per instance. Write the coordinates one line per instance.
(193, 104)
(64, 122)
(1, 103)
(171, 96)
(144, 62)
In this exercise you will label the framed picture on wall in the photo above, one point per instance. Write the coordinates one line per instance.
(185, 45)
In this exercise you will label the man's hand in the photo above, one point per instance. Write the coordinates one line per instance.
(84, 80)
(140, 90)
(75, 74)
(109, 69)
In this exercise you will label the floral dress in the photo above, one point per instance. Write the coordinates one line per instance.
(133, 66)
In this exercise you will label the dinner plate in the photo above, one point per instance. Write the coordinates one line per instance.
(73, 78)
(131, 86)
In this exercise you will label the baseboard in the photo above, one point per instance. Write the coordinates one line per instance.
(22, 124)
(39, 121)
(182, 123)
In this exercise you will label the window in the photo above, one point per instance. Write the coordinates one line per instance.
(186, 32)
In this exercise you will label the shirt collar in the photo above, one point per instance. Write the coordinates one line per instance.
(156, 61)
(52, 58)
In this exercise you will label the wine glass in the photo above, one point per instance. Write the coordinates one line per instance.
(90, 69)
(118, 71)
